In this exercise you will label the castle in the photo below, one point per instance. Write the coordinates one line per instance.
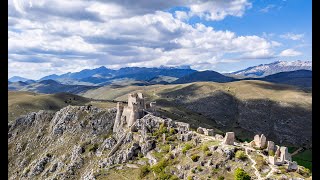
(136, 109)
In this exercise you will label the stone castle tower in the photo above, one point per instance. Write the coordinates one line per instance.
(127, 115)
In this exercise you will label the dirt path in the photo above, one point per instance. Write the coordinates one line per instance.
(256, 172)
(296, 152)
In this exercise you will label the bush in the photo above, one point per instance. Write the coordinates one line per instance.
(208, 153)
(163, 176)
(199, 168)
(172, 131)
(92, 147)
(220, 178)
(186, 148)
(195, 157)
(189, 178)
(305, 172)
(174, 177)
(165, 148)
(163, 129)
(144, 170)
(271, 153)
(160, 166)
(193, 171)
(171, 138)
(204, 148)
(240, 174)
(241, 155)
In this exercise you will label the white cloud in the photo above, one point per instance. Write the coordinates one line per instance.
(292, 36)
(60, 36)
(289, 53)
(267, 8)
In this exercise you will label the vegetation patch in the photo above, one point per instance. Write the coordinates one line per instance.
(241, 155)
(240, 174)
(195, 157)
(186, 148)
(144, 170)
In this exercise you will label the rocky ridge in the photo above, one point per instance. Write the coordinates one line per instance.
(75, 143)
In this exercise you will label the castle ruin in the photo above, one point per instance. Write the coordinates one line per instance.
(127, 115)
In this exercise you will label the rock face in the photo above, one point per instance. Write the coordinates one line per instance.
(75, 142)
(48, 145)
(292, 166)
(229, 138)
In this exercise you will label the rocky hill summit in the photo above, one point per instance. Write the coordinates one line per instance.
(132, 142)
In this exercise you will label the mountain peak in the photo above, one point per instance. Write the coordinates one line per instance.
(274, 67)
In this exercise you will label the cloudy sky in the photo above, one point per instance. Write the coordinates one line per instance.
(58, 36)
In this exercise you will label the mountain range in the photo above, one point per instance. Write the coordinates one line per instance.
(277, 72)
(273, 68)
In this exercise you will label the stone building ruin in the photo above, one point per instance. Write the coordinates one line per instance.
(127, 115)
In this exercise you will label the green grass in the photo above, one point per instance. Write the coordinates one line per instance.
(304, 159)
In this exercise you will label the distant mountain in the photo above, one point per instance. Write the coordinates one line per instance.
(162, 79)
(275, 67)
(17, 78)
(51, 86)
(103, 75)
(203, 76)
(16, 86)
(301, 78)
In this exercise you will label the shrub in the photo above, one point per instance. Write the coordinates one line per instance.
(271, 153)
(174, 177)
(193, 171)
(144, 170)
(163, 129)
(171, 138)
(172, 131)
(305, 172)
(260, 162)
(186, 148)
(241, 155)
(92, 147)
(189, 178)
(163, 176)
(240, 174)
(199, 168)
(160, 166)
(165, 148)
(208, 153)
(220, 178)
(215, 171)
(204, 148)
(195, 157)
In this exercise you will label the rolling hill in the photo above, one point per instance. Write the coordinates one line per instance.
(21, 103)
(51, 86)
(301, 78)
(247, 107)
(203, 76)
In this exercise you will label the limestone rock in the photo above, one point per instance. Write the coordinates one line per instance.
(292, 166)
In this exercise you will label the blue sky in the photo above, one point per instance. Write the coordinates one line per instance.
(55, 37)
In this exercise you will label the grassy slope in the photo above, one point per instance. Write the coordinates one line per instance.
(165, 95)
(20, 103)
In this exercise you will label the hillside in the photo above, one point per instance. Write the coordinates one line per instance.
(246, 107)
(80, 142)
(51, 86)
(203, 76)
(300, 78)
(21, 103)
(273, 68)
